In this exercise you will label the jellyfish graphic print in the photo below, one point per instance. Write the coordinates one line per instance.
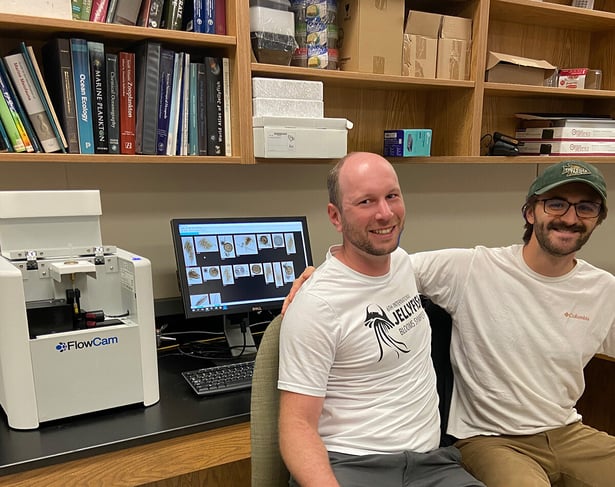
(378, 321)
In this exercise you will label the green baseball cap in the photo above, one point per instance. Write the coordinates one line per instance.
(569, 172)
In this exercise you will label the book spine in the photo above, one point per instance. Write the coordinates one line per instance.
(167, 59)
(174, 13)
(5, 142)
(86, 9)
(155, 14)
(127, 102)
(147, 58)
(11, 101)
(113, 103)
(226, 97)
(98, 76)
(194, 18)
(209, 12)
(178, 66)
(220, 16)
(215, 107)
(31, 102)
(76, 9)
(83, 94)
(127, 12)
(41, 87)
(111, 11)
(193, 113)
(9, 125)
(99, 10)
(57, 66)
(143, 17)
(182, 148)
(202, 108)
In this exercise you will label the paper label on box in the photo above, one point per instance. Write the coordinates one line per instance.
(281, 141)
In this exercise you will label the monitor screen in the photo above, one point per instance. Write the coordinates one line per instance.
(235, 265)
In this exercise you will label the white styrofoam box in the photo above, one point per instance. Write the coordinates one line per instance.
(287, 107)
(287, 88)
(263, 19)
(294, 138)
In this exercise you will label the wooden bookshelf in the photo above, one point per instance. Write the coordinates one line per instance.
(458, 112)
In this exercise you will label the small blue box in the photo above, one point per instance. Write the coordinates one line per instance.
(407, 142)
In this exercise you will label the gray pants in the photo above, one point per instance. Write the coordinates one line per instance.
(437, 468)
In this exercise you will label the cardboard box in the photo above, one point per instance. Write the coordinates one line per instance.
(453, 59)
(423, 23)
(419, 56)
(407, 143)
(420, 46)
(371, 36)
(295, 138)
(507, 68)
(455, 28)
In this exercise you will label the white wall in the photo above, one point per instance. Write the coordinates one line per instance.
(447, 205)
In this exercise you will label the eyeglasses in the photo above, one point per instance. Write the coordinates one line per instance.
(583, 209)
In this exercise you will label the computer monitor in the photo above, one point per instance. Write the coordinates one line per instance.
(228, 266)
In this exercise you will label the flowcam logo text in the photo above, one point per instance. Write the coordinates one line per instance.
(82, 344)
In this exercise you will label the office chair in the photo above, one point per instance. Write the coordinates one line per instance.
(268, 469)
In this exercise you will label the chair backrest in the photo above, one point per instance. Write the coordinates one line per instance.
(268, 469)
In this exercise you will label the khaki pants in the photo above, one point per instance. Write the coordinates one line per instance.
(571, 456)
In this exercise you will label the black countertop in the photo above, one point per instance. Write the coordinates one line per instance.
(179, 412)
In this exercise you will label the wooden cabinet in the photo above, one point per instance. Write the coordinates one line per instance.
(458, 112)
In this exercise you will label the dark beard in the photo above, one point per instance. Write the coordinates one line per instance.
(546, 245)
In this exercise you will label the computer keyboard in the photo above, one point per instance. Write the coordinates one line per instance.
(221, 378)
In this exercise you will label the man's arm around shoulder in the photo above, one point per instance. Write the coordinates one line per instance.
(302, 449)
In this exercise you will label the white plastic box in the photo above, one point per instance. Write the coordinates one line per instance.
(300, 138)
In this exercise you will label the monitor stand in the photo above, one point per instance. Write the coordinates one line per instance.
(236, 338)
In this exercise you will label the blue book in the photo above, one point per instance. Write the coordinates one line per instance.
(98, 76)
(83, 94)
(209, 16)
(167, 61)
(5, 138)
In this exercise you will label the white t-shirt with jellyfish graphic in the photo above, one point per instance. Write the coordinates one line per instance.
(363, 343)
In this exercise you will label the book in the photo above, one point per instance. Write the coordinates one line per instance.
(82, 86)
(182, 139)
(6, 89)
(99, 10)
(193, 16)
(86, 9)
(76, 9)
(209, 13)
(147, 59)
(10, 128)
(193, 112)
(111, 11)
(215, 106)
(220, 17)
(5, 142)
(98, 76)
(127, 102)
(127, 12)
(113, 103)
(173, 14)
(151, 13)
(202, 108)
(33, 106)
(226, 97)
(57, 66)
(167, 60)
(43, 92)
(143, 17)
(178, 67)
